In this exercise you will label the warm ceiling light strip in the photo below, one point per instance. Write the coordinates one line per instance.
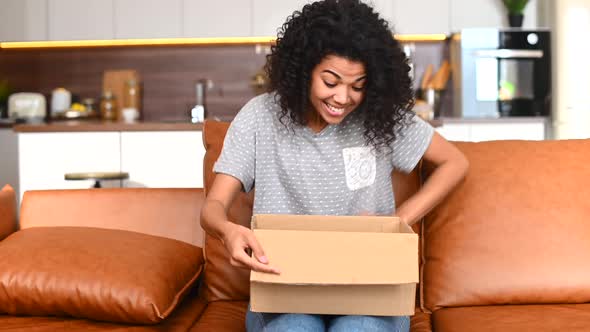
(177, 41)
(136, 42)
(421, 38)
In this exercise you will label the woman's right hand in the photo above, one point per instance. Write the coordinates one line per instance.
(237, 240)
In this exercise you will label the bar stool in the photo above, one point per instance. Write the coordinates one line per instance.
(97, 177)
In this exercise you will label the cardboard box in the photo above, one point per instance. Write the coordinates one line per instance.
(336, 265)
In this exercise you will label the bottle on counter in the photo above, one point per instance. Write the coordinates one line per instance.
(108, 106)
(199, 112)
(131, 101)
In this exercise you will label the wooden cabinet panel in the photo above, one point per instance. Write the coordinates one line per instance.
(148, 18)
(80, 19)
(220, 18)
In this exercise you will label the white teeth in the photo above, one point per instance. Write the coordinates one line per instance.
(334, 109)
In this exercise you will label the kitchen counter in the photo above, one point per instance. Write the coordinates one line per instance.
(515, 119)
(88, 126)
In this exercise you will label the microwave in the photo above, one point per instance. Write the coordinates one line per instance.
(501, 72)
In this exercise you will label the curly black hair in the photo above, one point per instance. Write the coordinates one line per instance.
(350, 29)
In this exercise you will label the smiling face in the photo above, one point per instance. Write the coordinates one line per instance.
(337, 88)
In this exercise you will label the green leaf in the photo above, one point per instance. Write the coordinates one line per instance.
(515, 6)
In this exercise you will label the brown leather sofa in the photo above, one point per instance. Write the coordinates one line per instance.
(506, 251)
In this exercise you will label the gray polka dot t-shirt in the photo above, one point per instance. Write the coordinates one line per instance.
(298, 171)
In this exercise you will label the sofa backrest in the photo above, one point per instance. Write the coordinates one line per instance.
(516, 231)
(171, 213)
(223, 281)
(7, 211)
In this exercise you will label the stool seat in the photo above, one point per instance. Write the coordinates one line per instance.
(97, 176)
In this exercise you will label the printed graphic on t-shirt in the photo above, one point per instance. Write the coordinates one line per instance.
(359, 166)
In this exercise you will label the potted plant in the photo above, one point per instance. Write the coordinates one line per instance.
(515, 11)
(4, 93)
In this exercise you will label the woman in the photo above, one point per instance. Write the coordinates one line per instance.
(325, 140)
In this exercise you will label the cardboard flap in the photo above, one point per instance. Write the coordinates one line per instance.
(327, 223)
(339, 258)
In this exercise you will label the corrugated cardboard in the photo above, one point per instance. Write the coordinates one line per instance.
(336, 265)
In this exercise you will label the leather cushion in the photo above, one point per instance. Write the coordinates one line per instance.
(521, 318)
(223, 281)
(101, 274)
(223, 316)
(516, 231)
(180, 320)
(7, 211)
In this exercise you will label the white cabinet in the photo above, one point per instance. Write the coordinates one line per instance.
(44, 158)
(8, 158)
(23, 20)
(148, 18)
(167, 159)
(491, 131)
(420, 16)
(220, 18)
(486, 13)
(455, 132)
(155, 159)
(269, 15)
(80, 19)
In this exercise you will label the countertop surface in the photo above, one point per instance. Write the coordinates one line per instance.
(88, 126)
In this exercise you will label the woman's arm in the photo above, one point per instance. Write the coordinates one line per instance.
(236, 238)
(450, 168)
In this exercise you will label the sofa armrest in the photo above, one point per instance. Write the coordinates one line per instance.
(7, 211)
(420, 322)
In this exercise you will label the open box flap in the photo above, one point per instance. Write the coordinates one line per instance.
(329, 223)
(339, 257)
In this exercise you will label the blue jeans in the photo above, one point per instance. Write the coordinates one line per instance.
(267, 322)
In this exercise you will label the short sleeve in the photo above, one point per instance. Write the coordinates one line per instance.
(411, 144)
(238, 155)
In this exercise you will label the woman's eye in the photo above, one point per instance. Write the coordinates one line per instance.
(358, 89)
(329, 85)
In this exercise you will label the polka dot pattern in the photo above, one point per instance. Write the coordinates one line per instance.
(331, 172)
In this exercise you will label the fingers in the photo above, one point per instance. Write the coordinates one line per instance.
(256, 249)
(241, 259)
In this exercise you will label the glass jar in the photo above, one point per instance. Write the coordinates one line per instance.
(108, 106)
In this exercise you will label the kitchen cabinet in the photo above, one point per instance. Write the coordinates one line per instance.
(269, 15)
(420, 16)
(148, 18)
(8, 158)
(23, 20)
(44, 158)
(490, 130)
(220, 18)
(155, 159)
(163, 159)
(80, 19)
(486, 13)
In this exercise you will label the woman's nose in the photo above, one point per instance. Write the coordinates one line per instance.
(341, 96)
